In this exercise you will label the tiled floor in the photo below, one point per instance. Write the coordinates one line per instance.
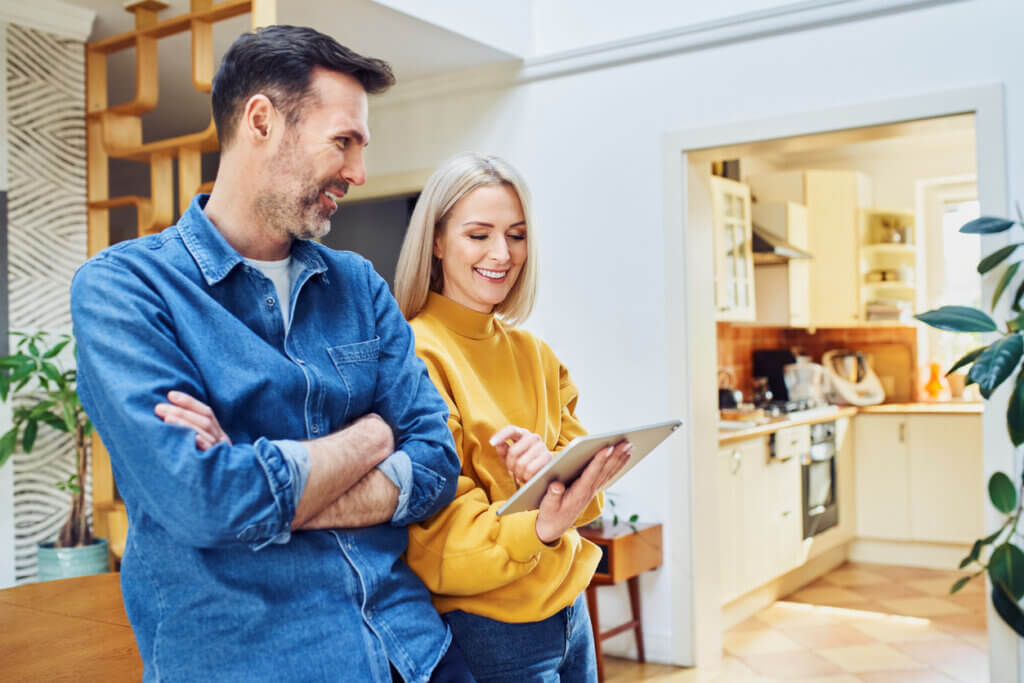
(859, 624)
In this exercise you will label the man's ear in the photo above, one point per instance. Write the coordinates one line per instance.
(259, 118)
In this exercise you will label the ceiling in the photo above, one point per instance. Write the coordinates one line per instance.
(416, 49)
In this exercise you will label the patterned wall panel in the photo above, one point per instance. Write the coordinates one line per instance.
(46, 243)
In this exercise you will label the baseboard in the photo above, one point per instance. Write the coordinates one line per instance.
(753, 602)
(908, 553)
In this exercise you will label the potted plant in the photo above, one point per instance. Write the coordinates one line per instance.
(990, 366)
(43, 395)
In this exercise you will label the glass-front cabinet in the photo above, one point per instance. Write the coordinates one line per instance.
(734, 262)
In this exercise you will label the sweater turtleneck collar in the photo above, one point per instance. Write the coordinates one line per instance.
(458, 318)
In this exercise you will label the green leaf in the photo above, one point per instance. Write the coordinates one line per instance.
(1002, 493)
(1007, 567)
(1015, 412)
(41, 407)
(996, 363)
(958, 319)
(56, 349)
(22, 372)
(33, 349)
(971, 556)
(960, 583)
(28, 437)
(996, 257)
(51, 371)
(7, 444)
(967, 359)
(53, 421)
(633, 519)
(986, 225)
(1018, 295)
(1004, 281)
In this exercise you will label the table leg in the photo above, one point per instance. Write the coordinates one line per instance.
(634, 605)
(595, 626)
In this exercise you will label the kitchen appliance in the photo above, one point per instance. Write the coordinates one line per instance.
(762, 392)
(850, 380)
(805, 381)
(819, 480)
(770, 363)
(727, 396)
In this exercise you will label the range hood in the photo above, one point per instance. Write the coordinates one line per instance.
(768, 248)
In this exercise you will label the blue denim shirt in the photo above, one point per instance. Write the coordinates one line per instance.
(215, 585)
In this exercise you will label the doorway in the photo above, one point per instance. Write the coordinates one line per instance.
(692, 327)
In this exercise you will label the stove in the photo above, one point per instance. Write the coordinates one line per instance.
(800, 408)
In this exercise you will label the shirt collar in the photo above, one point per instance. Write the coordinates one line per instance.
(458, 318)
(216, 258)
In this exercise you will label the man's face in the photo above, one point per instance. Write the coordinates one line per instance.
(317, 159)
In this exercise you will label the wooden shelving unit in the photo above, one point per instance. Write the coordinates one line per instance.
(116, 132)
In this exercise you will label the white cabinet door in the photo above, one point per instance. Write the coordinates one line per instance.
(789, 521)
(730, 461)
(946, 478)
(882, 474)
(734, 264)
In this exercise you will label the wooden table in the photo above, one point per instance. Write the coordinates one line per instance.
(629, 550)
(69, 630)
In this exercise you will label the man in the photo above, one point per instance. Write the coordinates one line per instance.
(272, 553)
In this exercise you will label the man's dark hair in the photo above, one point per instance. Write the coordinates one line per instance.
(278, 61)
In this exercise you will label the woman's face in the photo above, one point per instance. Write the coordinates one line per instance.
(482, 247)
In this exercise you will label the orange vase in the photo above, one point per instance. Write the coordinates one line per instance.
(933, 387)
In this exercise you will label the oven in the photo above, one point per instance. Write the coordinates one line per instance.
(818, 470)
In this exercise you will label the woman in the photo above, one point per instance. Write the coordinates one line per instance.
(510, 587)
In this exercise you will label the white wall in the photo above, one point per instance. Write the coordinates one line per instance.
(563, 25)
(504, 25)
(591, 146)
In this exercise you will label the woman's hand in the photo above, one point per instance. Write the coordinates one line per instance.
(527, 454)
(560, 507)
(188, 412)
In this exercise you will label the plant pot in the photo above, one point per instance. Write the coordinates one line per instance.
(65, 563)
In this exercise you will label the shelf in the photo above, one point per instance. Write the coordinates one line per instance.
(894, 249)
(889, 286)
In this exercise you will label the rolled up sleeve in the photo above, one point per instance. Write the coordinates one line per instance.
(425, 467)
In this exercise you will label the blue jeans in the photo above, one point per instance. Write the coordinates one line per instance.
(557, 649)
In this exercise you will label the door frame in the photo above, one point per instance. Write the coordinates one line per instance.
(691, 332)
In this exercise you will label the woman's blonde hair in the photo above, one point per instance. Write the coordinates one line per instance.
(419, 271)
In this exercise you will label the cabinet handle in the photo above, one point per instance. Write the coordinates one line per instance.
(737, 462)
(903, 432)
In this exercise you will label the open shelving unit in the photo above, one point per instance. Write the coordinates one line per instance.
(888, 266)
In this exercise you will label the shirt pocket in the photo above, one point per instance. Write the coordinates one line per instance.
(357, 365)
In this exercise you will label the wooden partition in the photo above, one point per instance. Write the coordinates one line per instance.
(116, 132)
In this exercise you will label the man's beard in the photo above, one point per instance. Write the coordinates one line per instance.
(298, 217)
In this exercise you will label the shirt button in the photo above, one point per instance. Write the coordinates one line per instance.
(270, 301)
(316, 429)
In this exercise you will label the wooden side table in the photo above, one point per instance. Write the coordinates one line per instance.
(625, 555)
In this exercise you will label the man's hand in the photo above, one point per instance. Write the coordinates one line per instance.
(560, 507)
(526, 455)
(188, 412)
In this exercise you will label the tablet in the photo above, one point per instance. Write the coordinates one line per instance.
(573, 459)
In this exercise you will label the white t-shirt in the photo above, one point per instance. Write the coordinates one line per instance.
(279, 272)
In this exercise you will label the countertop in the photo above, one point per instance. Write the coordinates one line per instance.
(813, 417)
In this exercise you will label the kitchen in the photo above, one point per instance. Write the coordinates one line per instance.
(849, 474)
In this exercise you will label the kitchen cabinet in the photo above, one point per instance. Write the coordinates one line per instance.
(833, 199)
(919, 478)
(782, 288)
(734, 265)
(760, 526)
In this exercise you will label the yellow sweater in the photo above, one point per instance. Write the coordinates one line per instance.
(491, 376)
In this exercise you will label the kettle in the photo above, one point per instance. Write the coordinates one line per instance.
(727, 396)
